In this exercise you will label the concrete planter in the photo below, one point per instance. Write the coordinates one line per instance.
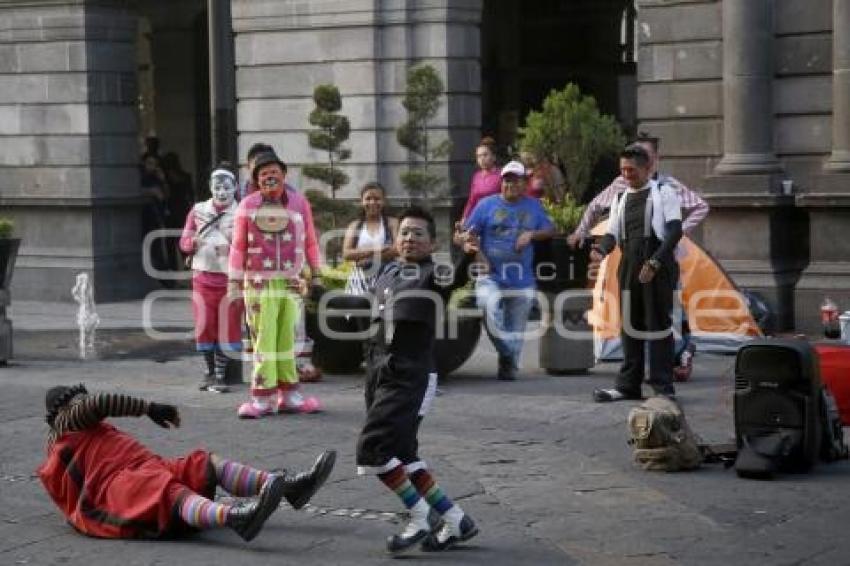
(8, 255)
(567, 345)
(334, 354)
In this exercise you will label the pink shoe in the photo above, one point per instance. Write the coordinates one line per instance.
(294, 402)
(253, 410)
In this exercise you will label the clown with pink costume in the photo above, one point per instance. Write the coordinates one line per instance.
(206, 239)
(267, 256)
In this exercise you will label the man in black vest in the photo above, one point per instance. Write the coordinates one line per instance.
(646, 222)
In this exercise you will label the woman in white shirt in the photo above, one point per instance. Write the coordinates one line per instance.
(369, 239)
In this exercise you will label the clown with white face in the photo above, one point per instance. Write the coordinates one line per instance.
(206, 240)
(222, 187)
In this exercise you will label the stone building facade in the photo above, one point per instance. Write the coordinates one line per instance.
(745, 94)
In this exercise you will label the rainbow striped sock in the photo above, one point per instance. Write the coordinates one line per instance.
(200, 512)
(397, 480)
(238, 479)
(428, 488)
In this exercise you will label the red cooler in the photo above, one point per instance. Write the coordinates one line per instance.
(835, 374)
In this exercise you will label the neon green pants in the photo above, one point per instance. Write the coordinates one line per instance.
(272, 311)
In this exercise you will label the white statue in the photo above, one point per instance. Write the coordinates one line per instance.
(87, 319)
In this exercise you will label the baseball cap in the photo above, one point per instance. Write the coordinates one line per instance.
(513, 168)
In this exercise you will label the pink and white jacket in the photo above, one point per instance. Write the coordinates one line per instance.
(257, 256)
(214, 244)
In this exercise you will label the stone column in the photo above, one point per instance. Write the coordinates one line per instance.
(68, 147)
(839, 161)
(747, 88)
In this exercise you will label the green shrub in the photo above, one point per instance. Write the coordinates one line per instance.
(7, 227)
(565, 215)
(571, 131)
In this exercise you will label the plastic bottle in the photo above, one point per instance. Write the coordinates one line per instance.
(829, 318)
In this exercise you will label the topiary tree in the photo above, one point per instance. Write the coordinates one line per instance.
(422, 101)
(571, 130)
(329, 213)
(332, 129)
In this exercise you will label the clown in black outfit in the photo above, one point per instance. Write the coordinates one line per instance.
(411, 295)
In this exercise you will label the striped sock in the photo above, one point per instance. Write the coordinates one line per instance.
(397, 480)
(200, 512)
(428, 488)
(238, 479)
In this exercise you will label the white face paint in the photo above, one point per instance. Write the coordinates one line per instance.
(222, 187)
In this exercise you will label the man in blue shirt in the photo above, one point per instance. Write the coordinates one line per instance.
(506, 224)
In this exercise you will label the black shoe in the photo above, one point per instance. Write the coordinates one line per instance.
(207, 381)
(218, 387)
(299, 488)
(507, 371)
(446, 537)
(610, 395)
(248, 519)
(397, 544)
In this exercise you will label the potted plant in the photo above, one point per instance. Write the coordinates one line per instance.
(8, 253)
(570, 131)
(455, 345)
(334, 355)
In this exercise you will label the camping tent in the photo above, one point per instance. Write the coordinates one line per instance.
(716, 310)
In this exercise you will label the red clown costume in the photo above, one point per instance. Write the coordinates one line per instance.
(108, 485)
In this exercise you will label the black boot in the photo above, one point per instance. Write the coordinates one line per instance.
(248, 518)
(209, 376)
(220, 373)
(299, 488)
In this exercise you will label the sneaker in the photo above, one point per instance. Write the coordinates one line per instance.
(412, 534)
(308, 373)
(682, 372)
(448, 535)
(218, 387)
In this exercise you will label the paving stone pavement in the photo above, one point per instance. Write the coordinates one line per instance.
(545, 472)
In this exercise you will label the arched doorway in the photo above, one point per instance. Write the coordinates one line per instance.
(529, 48)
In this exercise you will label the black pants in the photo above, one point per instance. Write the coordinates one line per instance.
(646, 314)
(395, 391)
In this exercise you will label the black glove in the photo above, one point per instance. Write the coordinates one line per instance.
(164, 415)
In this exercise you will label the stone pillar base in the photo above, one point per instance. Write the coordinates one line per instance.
(762, 241)
(748, 164)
